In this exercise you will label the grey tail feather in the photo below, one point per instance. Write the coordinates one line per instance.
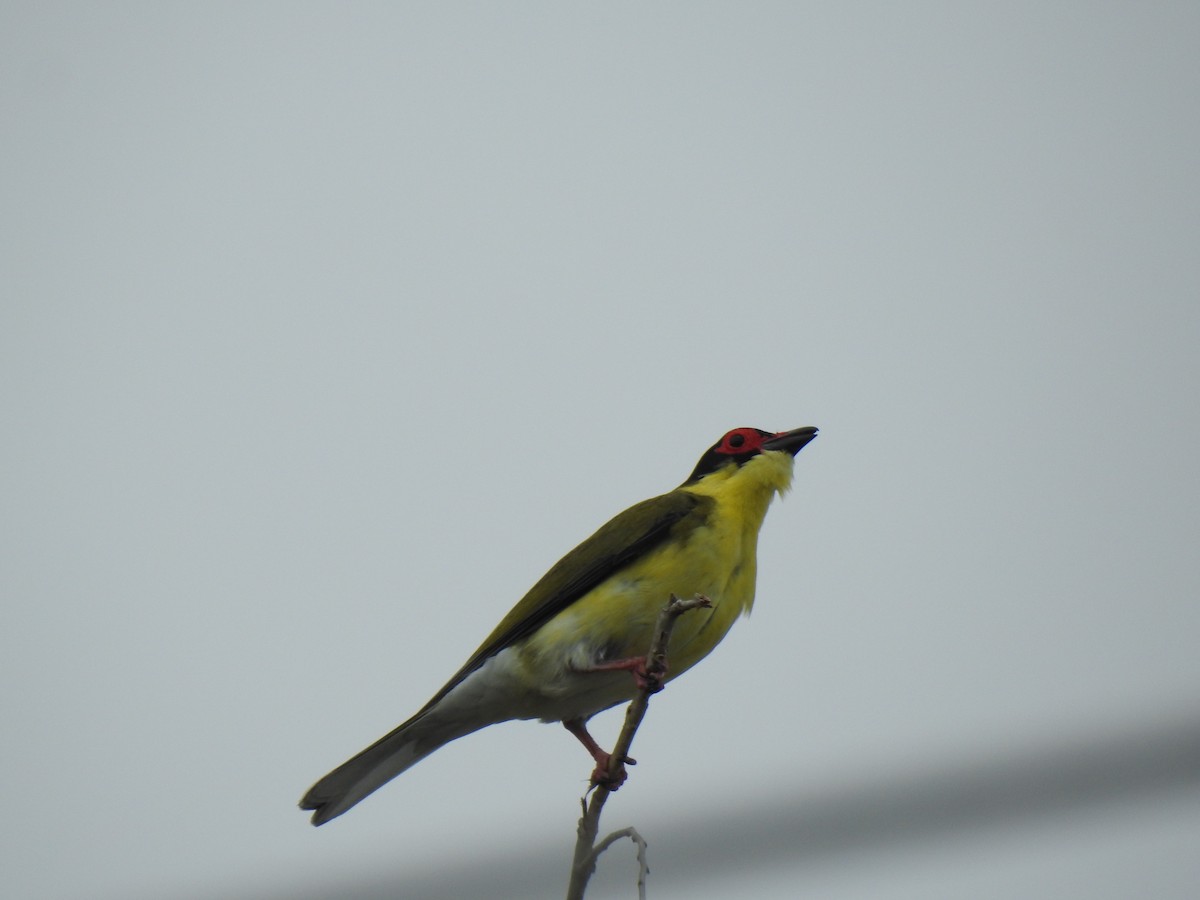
(366, 772)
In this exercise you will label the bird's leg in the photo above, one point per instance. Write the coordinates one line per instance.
(647, 676)
(649, 673)
(603, 758)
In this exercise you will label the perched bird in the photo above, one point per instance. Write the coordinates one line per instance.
(558, 655)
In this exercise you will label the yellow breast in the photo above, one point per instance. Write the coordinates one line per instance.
(717, 558)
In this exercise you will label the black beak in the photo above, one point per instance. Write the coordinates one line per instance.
(791, 441)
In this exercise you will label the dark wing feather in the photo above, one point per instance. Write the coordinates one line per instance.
(618, 543)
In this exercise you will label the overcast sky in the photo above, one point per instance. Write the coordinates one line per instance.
(327, 328)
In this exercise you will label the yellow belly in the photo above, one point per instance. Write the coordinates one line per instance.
(615, 620)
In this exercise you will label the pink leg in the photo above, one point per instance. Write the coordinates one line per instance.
(638, 667)
(646, 680)
(602, 757)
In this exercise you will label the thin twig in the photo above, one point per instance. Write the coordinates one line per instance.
(640, 842)
(583, 863)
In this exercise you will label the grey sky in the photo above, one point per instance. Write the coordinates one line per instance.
(326, 329)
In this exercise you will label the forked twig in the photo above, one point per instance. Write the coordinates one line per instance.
(583, 863)
(643, 866)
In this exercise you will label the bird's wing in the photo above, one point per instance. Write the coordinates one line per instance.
(622, 541)
(618, 543)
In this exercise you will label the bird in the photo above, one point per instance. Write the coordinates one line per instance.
(566, 650)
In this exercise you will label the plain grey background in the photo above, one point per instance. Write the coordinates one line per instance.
(327, 328)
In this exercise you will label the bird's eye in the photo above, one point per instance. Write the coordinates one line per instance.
(736, 440)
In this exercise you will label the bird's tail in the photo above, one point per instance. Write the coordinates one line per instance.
(368, 771)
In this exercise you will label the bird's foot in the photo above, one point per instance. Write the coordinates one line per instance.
(605, 776)
(601, 775)
(647, 676)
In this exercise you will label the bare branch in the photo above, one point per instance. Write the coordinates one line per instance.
(643, 866)
(583, 864)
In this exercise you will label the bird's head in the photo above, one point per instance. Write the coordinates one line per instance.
(769, 454)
